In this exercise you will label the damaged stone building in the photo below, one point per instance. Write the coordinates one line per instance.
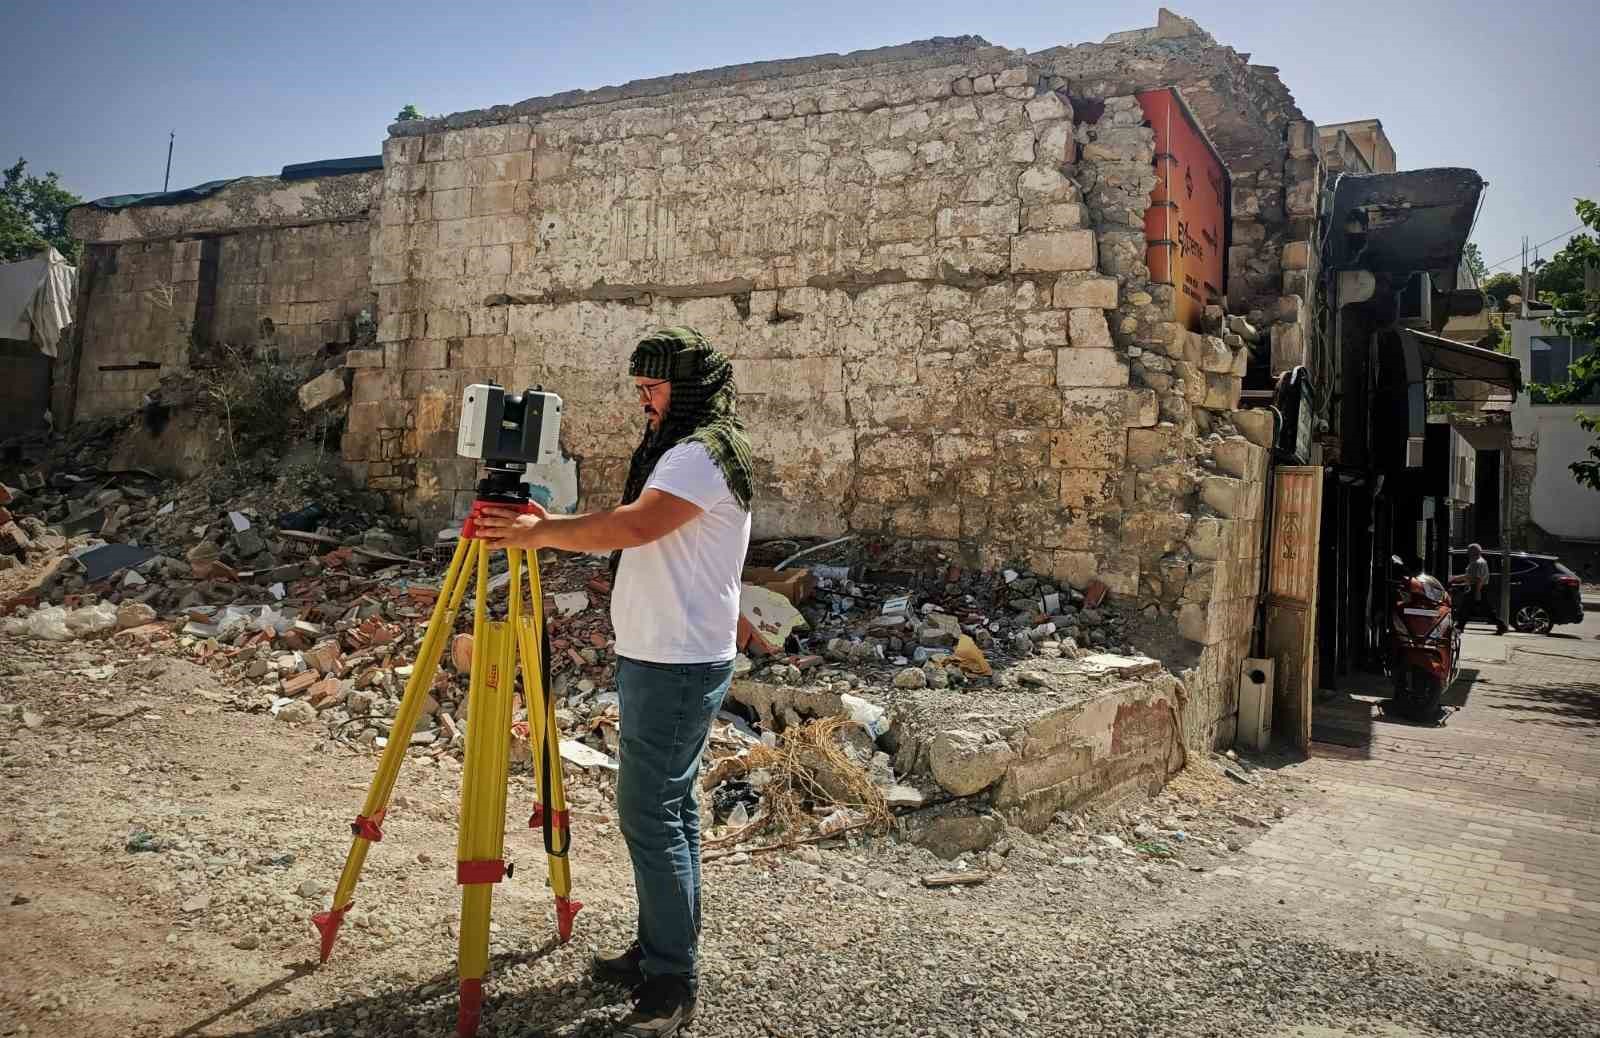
(957, 319)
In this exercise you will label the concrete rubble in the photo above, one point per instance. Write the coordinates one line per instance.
(959, 696)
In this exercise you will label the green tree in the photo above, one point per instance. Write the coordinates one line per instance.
(1561, 277)
(1500, 288)
(1582, 322)
(408, 113)
(1474, 257)
(33, 214)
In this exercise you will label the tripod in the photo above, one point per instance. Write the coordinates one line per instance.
(497, 646)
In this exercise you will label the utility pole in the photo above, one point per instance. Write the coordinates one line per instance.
(167, 179)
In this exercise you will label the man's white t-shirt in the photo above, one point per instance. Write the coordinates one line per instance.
(677, 598)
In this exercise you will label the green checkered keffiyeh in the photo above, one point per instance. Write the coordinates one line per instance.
(702, 410)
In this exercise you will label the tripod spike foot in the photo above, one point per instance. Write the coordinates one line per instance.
(327, 923)
(566, 910)
(470, 1007)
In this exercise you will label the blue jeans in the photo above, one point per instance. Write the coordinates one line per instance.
(666, 718)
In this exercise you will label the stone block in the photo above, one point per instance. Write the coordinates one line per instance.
(1076, 568)
(1054, 217)
(1098, 441)
(1079, 293)
(1056, 145)
(1136, 406)
(1016, 77)
(1120, 573)
(1222, 393)
(364, 359)
(1242, 459)
(1214, 355)
(977, 221)
(965, 762)
(1043, 251)
(1089, 492)
(1039, 184)
(1297, 255)
(1087, 329)
(1257, 424)
(1048, 107)
(1288, 347)
(1229, 496)
(322, 390)
(1151, 448)
(889, 162)
(1302, 138)
(1088, 367)
(1214, 539)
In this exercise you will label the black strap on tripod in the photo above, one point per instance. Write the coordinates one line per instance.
(547, 814)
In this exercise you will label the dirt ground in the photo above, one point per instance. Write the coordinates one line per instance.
(163, 853)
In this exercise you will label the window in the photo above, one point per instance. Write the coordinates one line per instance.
(1551, 357)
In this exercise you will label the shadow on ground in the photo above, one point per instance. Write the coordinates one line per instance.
(1572, 706)
(425, 1008)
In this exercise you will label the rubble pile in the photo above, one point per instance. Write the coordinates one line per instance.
(312, 607)
(950, 629)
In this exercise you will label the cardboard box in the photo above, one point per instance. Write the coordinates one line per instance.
(797, 585)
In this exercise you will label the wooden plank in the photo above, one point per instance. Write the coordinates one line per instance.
(1292, 596)
(934, 880)
(1296, 527)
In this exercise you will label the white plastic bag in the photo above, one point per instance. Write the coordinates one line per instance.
(48, 624)
(89, 621)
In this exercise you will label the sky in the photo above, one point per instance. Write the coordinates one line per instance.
(92, 89)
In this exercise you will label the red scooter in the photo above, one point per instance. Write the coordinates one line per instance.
(1424, 645)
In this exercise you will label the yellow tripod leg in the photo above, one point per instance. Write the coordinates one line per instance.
(550, 812)
(480, 847)
(367, 826)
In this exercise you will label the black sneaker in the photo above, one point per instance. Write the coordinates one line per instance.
(624, 969)
(664, 1005)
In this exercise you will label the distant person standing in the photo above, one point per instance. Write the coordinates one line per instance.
(1479, 607)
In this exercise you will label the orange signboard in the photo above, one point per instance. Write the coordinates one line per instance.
(1186, 225)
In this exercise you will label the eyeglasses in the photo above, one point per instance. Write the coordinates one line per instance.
(645, 389)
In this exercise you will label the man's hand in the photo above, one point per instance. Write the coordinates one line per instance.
(507, 526)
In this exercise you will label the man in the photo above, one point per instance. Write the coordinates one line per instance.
(683, 529)
(1479, 605)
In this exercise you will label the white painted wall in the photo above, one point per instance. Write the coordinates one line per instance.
(1560, 504)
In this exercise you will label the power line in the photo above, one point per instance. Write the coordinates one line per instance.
(1547, 241)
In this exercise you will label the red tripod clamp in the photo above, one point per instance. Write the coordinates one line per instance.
(482, 871)
(469, 529)
(370, 829)
(558, 819)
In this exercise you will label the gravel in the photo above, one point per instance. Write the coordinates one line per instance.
(215, 880)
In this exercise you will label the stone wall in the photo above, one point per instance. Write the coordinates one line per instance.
(261, 263)
(928, 266)
(292, 288)
(134, 301)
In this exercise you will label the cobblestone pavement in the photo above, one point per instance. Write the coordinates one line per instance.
(1479, 838)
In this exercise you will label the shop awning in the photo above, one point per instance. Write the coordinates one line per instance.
(1459, 360)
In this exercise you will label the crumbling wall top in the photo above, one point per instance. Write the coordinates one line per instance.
(244, 203)
(940, 50)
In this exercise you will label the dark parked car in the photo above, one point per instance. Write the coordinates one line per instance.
(1544, 593)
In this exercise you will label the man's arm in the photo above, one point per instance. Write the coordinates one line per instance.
(654, 515)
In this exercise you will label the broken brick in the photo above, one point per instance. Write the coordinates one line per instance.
(299, 683)
(599, 585)
(1095, 594)
(325, 693)
(13, 539)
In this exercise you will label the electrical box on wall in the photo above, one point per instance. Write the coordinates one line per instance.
(1255, 703)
